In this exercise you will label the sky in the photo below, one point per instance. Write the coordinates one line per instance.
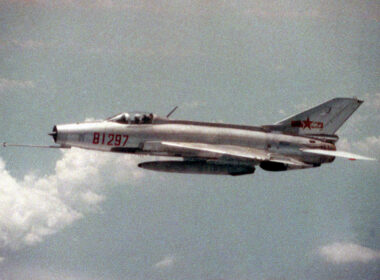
(78, 214)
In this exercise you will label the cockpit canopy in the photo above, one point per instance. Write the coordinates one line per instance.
(133, 118)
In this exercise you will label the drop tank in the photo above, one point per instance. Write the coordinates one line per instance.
(198, 167)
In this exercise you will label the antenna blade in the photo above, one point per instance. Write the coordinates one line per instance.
(171, 112)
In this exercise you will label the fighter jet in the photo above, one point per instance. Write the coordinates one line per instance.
(304, 140)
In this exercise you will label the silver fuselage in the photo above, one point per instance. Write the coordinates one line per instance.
(140, 138)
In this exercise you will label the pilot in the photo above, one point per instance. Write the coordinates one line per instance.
(146, 119)
(124, 119)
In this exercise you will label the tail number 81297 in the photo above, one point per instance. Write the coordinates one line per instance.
(109, 139)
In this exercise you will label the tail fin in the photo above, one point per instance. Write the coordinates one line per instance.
(325, 118)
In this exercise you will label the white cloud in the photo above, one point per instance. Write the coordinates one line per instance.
(195, 104)
(15, 84)
(29, 44)
(372, 100)
(300, 107)
(84, 4)
(165, 262)
(276, 12)
(369, 146)
(344, 144)
(34, 272)
(35, 207)
(339, 253)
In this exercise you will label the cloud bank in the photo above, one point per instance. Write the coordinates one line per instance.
(341, 253)
(35, 207)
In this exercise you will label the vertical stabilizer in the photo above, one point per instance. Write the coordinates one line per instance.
(325, 118)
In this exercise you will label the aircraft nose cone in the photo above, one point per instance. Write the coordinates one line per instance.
(54, 133)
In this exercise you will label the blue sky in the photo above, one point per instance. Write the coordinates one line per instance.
(87, 215)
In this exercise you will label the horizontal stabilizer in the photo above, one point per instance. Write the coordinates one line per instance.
(342, 154)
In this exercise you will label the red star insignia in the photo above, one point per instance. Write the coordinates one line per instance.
(307, 123)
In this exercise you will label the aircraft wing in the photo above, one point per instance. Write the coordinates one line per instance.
(220, 152)
(336, 154)
(217, 151)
